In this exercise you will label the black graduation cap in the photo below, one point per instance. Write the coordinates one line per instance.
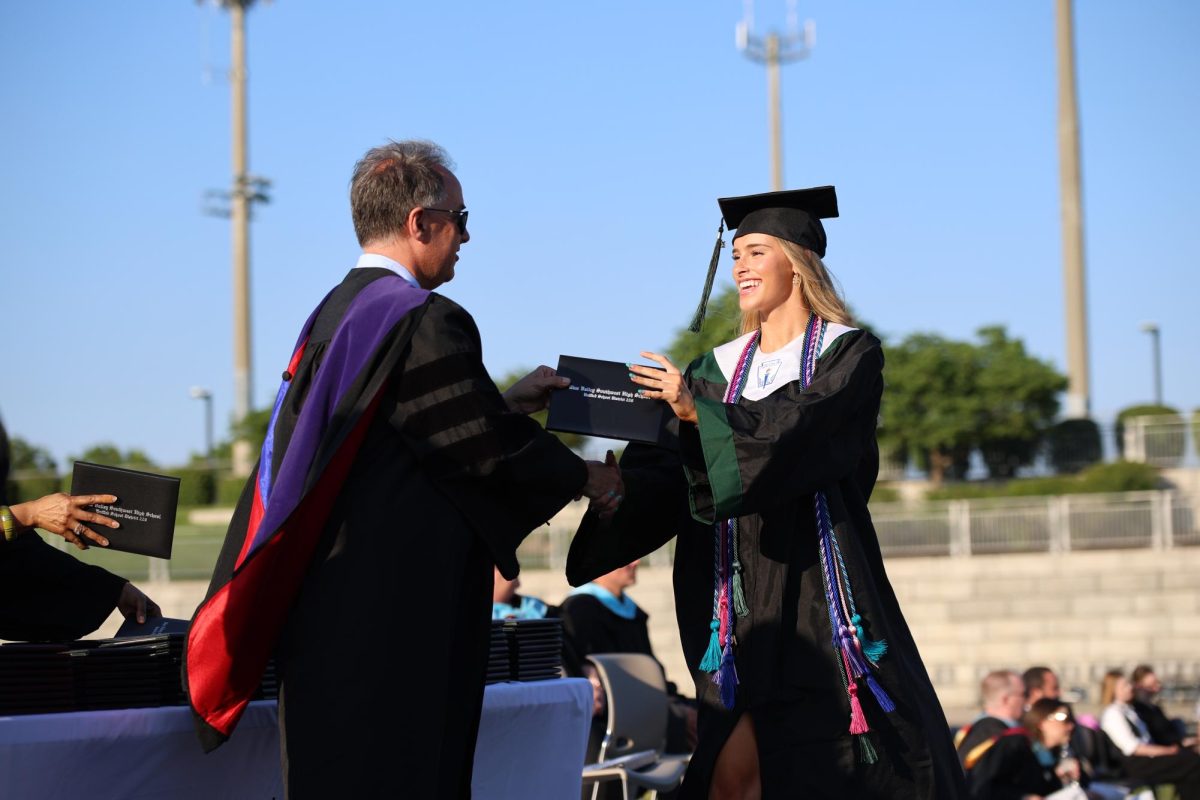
(794, 216)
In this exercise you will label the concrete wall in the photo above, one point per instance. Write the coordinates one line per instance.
(1079, 613)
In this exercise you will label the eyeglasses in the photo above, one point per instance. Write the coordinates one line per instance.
(460, 217)
(1060, 716)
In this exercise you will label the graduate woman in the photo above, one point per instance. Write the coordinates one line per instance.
(808, 679)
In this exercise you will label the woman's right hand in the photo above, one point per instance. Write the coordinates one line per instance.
(65, 515)
(665, 384)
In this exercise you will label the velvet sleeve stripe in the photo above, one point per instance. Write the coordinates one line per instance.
(437, 376)
(720, 457)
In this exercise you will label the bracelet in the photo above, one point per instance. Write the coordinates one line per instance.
(9, 522)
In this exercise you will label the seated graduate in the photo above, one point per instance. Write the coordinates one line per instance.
(47, 595)
(599, 617)
(507, 604)
(1024, 762)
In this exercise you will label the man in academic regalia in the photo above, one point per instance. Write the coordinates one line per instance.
(1002, 695)
(393, 476)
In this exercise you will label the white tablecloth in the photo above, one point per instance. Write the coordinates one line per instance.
(531, 745)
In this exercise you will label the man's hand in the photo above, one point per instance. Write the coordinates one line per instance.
(604, 486)
(532, 393)
(134, 605)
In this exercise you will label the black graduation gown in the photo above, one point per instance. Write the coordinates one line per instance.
(589, 627)
(47, 595)
(1009, 770)
(976, 734)
(762, 461)
(384, 653)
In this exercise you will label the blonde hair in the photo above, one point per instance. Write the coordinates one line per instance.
(820, 293)
(1108, 689)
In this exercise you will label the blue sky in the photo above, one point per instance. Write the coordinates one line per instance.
(592, 140)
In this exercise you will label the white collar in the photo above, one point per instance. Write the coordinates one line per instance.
(383, 262)
(771, 371)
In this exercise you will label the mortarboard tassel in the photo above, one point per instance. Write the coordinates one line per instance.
(698, 317)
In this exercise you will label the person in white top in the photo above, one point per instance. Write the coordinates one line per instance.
(1143, 759)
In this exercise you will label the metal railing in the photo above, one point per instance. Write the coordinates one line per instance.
(1159, 520)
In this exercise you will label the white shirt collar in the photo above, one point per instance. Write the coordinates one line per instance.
(383, 262)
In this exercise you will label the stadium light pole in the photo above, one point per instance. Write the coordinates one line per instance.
(246, 190)
(200, 393)
(773, 50)
(1074, 287)
(1155, 343)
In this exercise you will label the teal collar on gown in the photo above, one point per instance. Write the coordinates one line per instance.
(623, 606)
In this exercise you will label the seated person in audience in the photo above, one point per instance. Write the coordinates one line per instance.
(1002, 696)
(1144, 760)
(1163, 730)
(46, 594)
(507, 604)
(1040, 682)
(599, 617)
(1024, 762)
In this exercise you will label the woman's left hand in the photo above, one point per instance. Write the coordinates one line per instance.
(665, 385)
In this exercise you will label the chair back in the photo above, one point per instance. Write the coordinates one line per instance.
(637, 703)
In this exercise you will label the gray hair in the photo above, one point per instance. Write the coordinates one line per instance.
(390, 181)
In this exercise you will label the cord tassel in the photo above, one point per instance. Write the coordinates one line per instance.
(858, 721)
(881, 697)
(739, 598)
(698, 318)
(873, 650)
(712, 656)
(726, 678)
(866, 751)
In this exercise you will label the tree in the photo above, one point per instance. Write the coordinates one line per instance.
(26, 457)
(930, 405)
(109, 454)
(945, 398)
(722, 323)
(1022, 401)
(574, 441)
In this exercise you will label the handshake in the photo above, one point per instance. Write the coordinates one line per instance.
(604, 487)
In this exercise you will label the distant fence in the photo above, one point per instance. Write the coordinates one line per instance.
(1159, 520)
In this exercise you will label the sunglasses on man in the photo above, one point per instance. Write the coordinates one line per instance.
(460, 217)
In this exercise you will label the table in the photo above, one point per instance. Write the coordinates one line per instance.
(531, 745)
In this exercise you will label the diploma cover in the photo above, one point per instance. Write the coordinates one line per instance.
(602, 401)
(145, 507)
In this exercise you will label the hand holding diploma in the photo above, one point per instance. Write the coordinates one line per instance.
(531, 394)
(665, 385)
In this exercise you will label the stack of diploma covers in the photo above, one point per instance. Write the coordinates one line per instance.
(525, 650)
(126, 672)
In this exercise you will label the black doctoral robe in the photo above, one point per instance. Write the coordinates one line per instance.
(383, 652)
(761, 462)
